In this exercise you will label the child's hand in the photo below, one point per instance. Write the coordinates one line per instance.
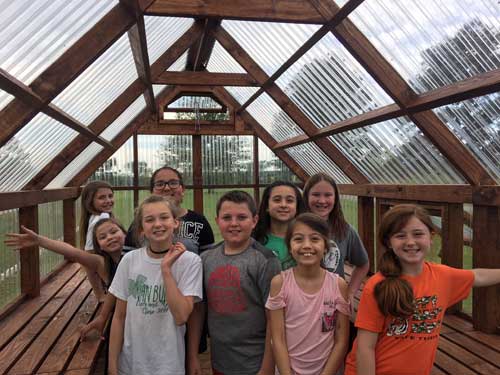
(21, 241)
(172, 255)
(96, 324)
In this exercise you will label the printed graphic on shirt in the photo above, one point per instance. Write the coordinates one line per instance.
(331, 259)
(224, 290)
(423, 321)
(150, 298)
(191, 230)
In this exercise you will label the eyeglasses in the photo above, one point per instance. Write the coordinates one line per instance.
(172, 184)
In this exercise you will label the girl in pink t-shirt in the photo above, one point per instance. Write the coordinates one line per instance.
(309, 312)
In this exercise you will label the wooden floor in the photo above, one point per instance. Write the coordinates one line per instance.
(41, 336)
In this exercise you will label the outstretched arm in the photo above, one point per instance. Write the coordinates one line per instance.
(486, 277)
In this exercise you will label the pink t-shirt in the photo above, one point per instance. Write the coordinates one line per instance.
(309, 321)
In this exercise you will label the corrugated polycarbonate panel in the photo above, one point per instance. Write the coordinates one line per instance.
(222, 62)
(33, 34)
(194, 102)
(227, 159)
(329, 85)
(101, 83)
(180, 64)
(265, 110)
(156, 151)
(162, 32)
(5, 99)
(269, 44)
(433, 43)
(30, 150)
(51, 225)
(241, 93)
(313, 160)
(118, 170)
(10, 263)
(271, 168)
(72, 169)
(476, 122)
(124, 119)
(157, 89)
(396, 151)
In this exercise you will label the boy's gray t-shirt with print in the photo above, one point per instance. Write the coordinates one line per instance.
(236, 290)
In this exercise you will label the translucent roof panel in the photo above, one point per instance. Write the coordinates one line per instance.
(329, 85)
(162, 32)
(269, 44)
(72, 169)
(195, 102)
(30, 150)
(124, 119)
(35, 33)
(269, 114)
(101, 83)
(222, 62)
(118, 170)
(180, 64)
(241, 93)
(313, 160)
(476, 123)
(396, 151)
(271, 168)
(157, 89)
(5, 98)
(433, 43)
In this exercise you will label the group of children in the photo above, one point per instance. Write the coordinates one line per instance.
(272, 292)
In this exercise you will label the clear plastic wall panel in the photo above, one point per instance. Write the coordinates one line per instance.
(157, 89)
(123, 208)
(476, 123)
(433, 43)
(30, 150)
(35, 33)
(269, 114)
(100, 84)
(72, 169)
(227, 160)
(269, 44)
(271, 168)
(313, 160)
(162, 32)
(187, 200)
(349, 205)
(329, 85)
(201, 102)
(222, 62)
(396, 152)
(157, 151)
(5, 98)
(124, 119)
(118, 170)
(51, 225)
(180, 64)
(10, 265)
(241, 93)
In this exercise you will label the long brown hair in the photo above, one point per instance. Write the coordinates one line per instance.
(87, 205)
(394, 295)
(336, 220)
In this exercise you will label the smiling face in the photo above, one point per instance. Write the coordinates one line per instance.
(110, 237)
(321, 199)
(103, 200)
(411, 243)
(158, 224)
(307, 245)
(282, 205)
(167, 175)
(236, 222)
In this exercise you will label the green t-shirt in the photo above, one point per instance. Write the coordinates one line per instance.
(278, 246)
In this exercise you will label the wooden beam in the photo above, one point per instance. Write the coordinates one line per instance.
(199, 54)
(205, 78)
(21, 199)
(30, 257)
(152, 128)
(256, 10)
(189, 110)
(65, 69)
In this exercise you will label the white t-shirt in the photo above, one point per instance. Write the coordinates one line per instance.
(152, 342)
(92, 221)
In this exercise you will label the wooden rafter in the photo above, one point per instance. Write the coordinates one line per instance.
(244, 59)
(205, 78)
(199, 53)
(256, 10)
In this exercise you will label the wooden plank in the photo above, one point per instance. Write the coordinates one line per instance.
(20, 199)
(24, 339)
(450, 365)
(473, 346)
(85, 357)
(199, 54)
(465, 327)
(366, 227)
(205, 78)
(256, 10)
(212, 129)
(30, 257)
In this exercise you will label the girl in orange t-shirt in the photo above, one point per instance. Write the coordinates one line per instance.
(402, 306)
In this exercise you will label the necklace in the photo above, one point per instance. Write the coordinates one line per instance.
(158, 252)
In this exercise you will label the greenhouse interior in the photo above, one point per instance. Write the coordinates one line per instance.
(397, 101)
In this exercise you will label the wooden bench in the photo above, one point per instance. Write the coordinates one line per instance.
(41, 336)
(462, 350)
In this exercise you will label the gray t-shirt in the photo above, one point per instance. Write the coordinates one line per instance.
(237, 287)
(350, 249)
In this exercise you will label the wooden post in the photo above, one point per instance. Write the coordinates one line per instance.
(30, 258)
(69, 221)
(197, 174)
(366, 227)
(452, 236)
(486, 254)
(256, 190)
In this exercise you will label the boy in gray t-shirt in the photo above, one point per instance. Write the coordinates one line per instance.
(237, 275)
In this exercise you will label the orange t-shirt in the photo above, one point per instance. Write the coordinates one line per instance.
(408, 346)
